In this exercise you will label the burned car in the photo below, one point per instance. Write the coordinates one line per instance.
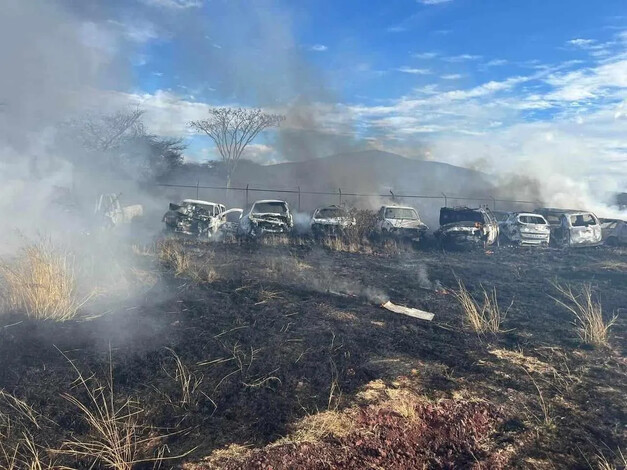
(524, 228)
(196, 218)
(614, 232)
(400, 222)
(463, 227)
(266, 217)
(331, 220)
(572, 228)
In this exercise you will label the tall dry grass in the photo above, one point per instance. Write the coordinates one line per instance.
(18, 448)
(118, 437)
(41, 281)
(485, 316)
(591, 327)
(173, 255)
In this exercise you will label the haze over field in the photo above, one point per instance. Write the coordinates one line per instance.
(490, 86)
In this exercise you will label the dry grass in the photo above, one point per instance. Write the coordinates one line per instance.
(485, 316)
(605, 463)
(591, 327)
(317, 426)
(346, 245)
(18, 449)
(117, 439)
(189, 382)
(173, 255)
(41, 281)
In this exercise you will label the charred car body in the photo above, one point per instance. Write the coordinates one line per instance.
(614, 232)
(196, 218)
(331, 220)
(572, 228)
(524, 228)
(400, 222)
(266, 217)
(463, 227)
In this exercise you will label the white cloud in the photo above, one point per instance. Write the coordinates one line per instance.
(433, 2)
(425, 55)
(396, 29)
(174, 4)
(462, 58)
(318, 48)
(496, 62)
(452, 76)
(413, 71)
(583, 43)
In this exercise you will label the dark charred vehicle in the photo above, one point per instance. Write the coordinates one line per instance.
(196, 218)
(614, 232)
(463, 227)
(266, 217)
(331, 220)
(573, 228)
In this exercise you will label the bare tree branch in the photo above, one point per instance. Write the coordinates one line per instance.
(232, 129)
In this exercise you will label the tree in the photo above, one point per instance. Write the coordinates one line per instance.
(232, 129)
(105, 132)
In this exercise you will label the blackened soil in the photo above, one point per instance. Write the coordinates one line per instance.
(268, 338)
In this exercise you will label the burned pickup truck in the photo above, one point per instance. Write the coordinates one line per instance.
(400, 222)
(463, 227)
(331, 220)
(196, 218)
(266, 217)
(572, 228)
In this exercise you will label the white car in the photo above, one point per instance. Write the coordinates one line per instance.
(196, 217)
(265, 217)
(573, 228)
(400, 222)
(524, 228)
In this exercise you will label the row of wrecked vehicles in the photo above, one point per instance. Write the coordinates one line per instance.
(459, 226)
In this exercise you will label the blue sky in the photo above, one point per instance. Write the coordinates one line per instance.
(504, 86)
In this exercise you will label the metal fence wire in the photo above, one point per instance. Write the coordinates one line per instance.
(341, 196)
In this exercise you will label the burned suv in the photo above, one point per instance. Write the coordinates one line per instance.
(462, 227)
(573, 228)
(197, 218)
(266, 217)
(522, 228)
(331, 220)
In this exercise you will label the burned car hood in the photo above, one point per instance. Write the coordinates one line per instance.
(342, 221)
(270, 218)
(406, 223)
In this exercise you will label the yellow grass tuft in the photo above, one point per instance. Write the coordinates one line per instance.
(591, 327)
(317, 426)
(483, 317)
(41, 281)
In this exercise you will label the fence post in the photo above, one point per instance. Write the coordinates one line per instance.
(299, 199)
(246, 206)
(393, 197)
(445, 200)
(339, 190)
(197, 184)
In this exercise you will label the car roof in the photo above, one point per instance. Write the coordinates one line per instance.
(198, 201)
(398, 207)
(269, 200)
(532, 214)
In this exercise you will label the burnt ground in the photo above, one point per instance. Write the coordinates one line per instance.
(271, 334)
